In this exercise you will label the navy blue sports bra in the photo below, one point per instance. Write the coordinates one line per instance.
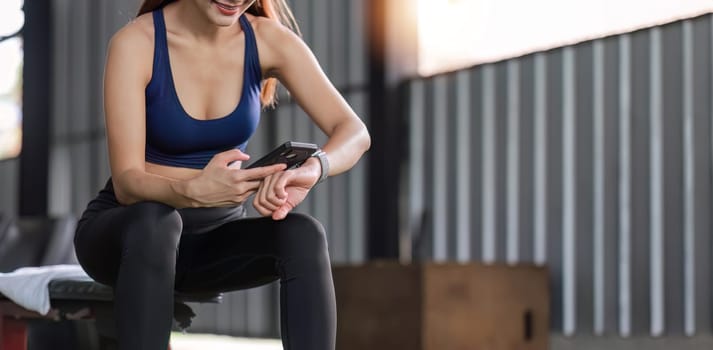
(175, 138)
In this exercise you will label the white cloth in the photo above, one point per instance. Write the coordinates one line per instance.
(28, 286)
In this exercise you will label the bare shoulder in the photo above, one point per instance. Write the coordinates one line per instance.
(132, 45)
(269, 28)
(137, 34)
(275, 42)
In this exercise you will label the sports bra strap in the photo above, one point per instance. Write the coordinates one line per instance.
(161, 68)
(251, 53)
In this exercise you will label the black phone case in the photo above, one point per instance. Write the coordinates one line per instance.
(291, 153)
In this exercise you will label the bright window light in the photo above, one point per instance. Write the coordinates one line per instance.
(11, 57)
(454, 34)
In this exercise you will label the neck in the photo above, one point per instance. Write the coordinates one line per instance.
(196, 23)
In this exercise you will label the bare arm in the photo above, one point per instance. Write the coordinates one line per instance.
(289, 59)
(127, 72)
(285, 56)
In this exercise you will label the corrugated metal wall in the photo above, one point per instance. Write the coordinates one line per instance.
(594, 159)
(79, 164)
(9, 186)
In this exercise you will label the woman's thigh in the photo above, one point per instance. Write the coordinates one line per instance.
(246, 253)
(102, 238)
(98, 243)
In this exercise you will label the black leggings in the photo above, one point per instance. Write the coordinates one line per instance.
(148, 249)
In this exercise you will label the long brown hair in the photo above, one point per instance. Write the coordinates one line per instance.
(273, 9)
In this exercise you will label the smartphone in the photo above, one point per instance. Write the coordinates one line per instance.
(291, 153)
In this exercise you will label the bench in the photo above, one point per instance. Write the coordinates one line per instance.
(82, 300)
(48, 241)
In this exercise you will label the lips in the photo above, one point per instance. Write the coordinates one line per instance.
(225, 9)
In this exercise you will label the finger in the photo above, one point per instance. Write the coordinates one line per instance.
(272, 195)
(264, 202)
(248, 187)
(261, 172)
(230, 156)
(262, 211)
(281, 183)
(282, 212)
(265, 193)
(258, 206)
(260, 195)
(281, 186)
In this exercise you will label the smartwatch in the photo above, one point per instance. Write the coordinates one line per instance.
(322, 156)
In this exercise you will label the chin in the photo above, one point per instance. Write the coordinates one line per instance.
(222, 21)
(220, 18)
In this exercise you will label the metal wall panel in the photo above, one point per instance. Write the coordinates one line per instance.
(700, 62)
(624, 188)
(489, 177)
(526, 147)
(462, 165)
(595, 159)
(9, 186)
(554, 87)
(608, 144)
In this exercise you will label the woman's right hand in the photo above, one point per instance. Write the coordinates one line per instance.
(221, 185)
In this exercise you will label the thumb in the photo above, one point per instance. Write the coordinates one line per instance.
(231, 156)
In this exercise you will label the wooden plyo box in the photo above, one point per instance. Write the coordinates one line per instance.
(450, 306)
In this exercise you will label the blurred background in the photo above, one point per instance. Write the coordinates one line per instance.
(568, 134)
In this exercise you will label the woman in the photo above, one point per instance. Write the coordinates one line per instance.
(184, 85)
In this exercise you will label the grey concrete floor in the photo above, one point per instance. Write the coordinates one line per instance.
(557, 342)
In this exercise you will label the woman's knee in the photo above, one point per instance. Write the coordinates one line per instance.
(303, 232)
(152, 226)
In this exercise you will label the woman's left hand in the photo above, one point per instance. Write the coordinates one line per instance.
(281, 192)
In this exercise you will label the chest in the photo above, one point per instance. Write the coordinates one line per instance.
(208, 83)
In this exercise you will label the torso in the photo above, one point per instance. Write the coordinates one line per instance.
(206, 91)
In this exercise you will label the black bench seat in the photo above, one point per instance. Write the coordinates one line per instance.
(83, 300)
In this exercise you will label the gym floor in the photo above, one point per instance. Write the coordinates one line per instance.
(180, 341)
